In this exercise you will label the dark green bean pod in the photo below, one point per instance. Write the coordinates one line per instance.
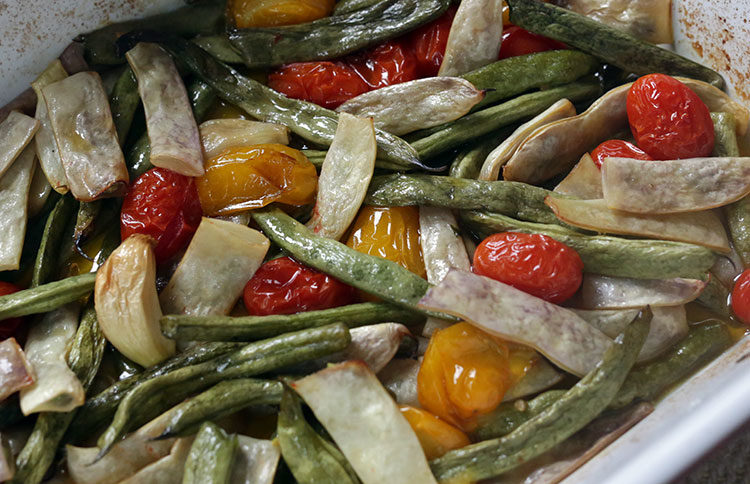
(606, 255)
(512, 76)
(218, 401)
(123, 102)
(725, 136)
(434, 141)
(514, 199)
(84, 359)
(309, 121)
(334, 36)
(317, 157)
(205, 17)
(715, 296)
(155, 396)
(46, 297)
(309, 456)
(612, 45)
(211, 456)
(220, 47)
(570, 413)
(54, 230)
(510, 415)
(251, 328)
(348, 6)
(468, 161)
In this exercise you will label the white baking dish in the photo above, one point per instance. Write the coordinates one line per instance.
(688, 422)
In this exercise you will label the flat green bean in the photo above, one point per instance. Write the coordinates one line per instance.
(46, 297)
(123, 102)
(606, 255)
(211, 456)
(567, 415)
(54, 231)
(250, 328)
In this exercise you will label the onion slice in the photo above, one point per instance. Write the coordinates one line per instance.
(603, 292)
(344, 177)
(172, 131)
(14, 196)
(474, 38)
(366, 424)
(504, 311)
(46, 146)
(168, 469)
(127, 304)
(399, 376)
(15, 134)
(223, 256)
(15, 370)
(670, 186)
(374, 344)
(82, 123)
(255, 461)
(700, 228)
(584, 180)
(413, 105)
(217, 135)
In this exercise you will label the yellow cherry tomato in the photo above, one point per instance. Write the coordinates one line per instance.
(272, 13)
(249, 177)
(435, 436)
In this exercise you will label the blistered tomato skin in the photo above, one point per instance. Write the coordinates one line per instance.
(436, 436)
(741, 297)
(164, 205)
(617, 148)
(668, 120)
(533, 263)
(326, 84)
(428, 43)
(9, 326)
(284, 286)
(517, 41)
(385, 65)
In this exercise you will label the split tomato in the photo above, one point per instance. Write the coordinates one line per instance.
(385, 65)
(428, 43)
(617, 148)
(517, 41)
(327, 84)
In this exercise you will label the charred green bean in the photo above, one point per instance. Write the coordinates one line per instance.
(211, 456)
(46, 297)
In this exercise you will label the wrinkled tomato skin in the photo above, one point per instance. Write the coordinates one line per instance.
(9, 326)
(533, 263)
(164, 205)
(617, 148)
(517, 41)
(326, 84)
(385, 65)
(284, 286)
(668, 120)
(741, 297)
(428, 43)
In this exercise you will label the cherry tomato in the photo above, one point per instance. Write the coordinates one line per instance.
(9, 326)
(428, 43)
(533, 263)
(617, 148)
(465, 373)
(327, 84)
(741, 297)
(385, 65)
(164, 205)
(271, 13)
(668, 120)
(284, 286)
(435, 436)
(517, 41)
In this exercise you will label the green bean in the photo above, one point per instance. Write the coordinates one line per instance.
(510, 415)
(46, 297)
(86, 225)
(715, 296)
(84, 359)
(647, 382)
(220, 47)
(725, 137)
(211, 456)
(429, 143)
(200, 18)
(336, 35)
(250, 328)
(518, 200)
(98, 409)
(123, 102)
(218, 401)
(612, 45)
(348, 6)
(309, 121)
(154, 396)
(570, 413)
(54, 231)
(309, 456)
(609, 256)
(512, 76)
(468, 162)
(317, 157)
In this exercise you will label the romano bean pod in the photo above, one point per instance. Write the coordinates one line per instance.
(46, 297)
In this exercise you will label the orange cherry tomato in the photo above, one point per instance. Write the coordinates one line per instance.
(8, 326)
(327, 84)
(517, 41)
(253, 176)
(741, 297)
(428, 43)
(465, 373)
(617, 148)
(391, 233)
(668, 120)
(533, 263)
(385, 65)
(435, 436)
(272, 13)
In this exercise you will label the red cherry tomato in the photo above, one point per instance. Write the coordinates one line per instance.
(533, 263)
(284, 286)
(428, 43)
(741, 297)
(619, 148)
(9, 326)
(668, 120)
(327, 84)
(517, 41)
(385, 65)
(164, 205)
